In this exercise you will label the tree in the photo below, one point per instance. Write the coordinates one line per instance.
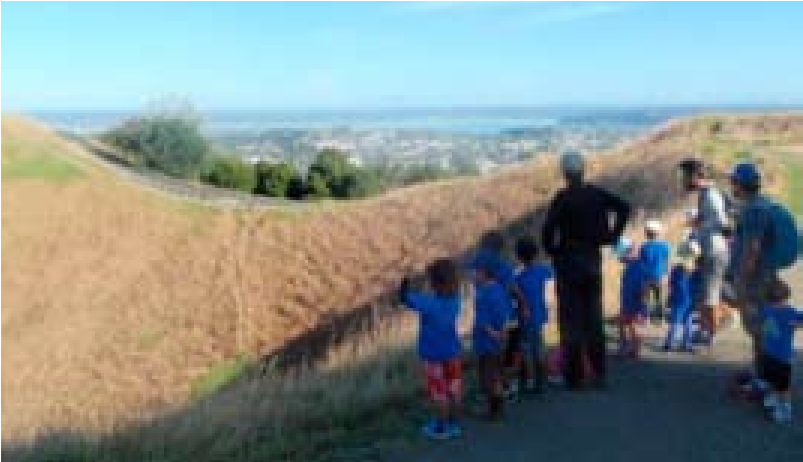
(228, 172)
(331, 167)
(317, 187)
(170, 142)
(274, 179)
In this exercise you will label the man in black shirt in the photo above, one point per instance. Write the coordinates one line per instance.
(581, 219)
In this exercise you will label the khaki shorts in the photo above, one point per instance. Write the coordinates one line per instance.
(712, 273)
(751, 296)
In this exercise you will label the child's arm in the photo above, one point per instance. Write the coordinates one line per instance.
(410, 298)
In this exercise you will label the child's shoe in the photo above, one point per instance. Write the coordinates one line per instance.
(454, 429)
(782, 412)
(770, 402)
(435, 429)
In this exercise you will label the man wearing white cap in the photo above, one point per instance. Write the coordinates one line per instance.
(577, 224)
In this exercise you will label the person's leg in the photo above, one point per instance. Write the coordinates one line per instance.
(569, 305)
(592, 292)
(439, 399)
(687, 323)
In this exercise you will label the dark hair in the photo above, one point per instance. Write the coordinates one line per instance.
(527, 249)
(444, 276)
(778, 291)
(692, 166)
(750, 188)
(493, 240)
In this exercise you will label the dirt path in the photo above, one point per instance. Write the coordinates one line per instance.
(663, 408)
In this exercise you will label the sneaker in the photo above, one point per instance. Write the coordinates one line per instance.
(454, 429)
(770, 401)
(436, 430)
(782, 413)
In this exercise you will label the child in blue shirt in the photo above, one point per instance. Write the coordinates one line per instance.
(779, 321)
(439, 345)
(491, 254)
(632, 306)
(532, 281)
(654, 256)
(681, 297)
(492, 308)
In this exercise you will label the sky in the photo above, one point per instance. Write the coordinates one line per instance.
(300, 55)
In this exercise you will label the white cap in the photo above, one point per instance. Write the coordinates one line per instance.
(655, 226)
(572, 161)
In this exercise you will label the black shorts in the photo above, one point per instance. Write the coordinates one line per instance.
(777, 373)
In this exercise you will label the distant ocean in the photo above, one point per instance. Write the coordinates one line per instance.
(473, 121)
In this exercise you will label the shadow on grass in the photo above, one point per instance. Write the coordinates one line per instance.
(288, 409)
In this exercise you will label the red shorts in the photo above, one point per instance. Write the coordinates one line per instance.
(444, 381)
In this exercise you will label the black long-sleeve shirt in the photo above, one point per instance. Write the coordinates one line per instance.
(583, 217)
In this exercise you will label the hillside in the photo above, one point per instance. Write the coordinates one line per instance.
(118, 300)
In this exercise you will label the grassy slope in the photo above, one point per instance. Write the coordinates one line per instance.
(118, 301)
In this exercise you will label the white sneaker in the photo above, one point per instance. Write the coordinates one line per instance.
(770, 401)
(782, 412)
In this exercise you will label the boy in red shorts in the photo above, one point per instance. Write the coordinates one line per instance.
(439, 346)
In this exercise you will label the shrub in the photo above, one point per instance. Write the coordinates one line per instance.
(169, 143)
(277, 179)
(228, 172)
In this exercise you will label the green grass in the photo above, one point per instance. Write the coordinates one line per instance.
(794, 187)
(40, 167)
(221, 375)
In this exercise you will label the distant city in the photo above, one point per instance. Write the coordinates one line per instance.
(463, 140)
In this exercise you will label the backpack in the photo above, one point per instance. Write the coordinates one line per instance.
(783, 240)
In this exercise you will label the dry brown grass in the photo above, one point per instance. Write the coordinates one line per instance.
(117, 301)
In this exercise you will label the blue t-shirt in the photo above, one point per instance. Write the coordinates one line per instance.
(438, 339)
(492, 307)
(532, 282)
(654, 256)
(503, 271)
(632, 286)
(680, 293)
(778, 329)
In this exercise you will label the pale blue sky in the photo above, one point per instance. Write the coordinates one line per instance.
(352, 55)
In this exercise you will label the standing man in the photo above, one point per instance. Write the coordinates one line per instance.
(711, 223)
(765, 243)
(581, 219)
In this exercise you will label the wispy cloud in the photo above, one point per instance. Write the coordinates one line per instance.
(570, 13)
(434, 7)
(511, 15)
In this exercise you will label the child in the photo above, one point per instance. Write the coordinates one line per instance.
(779, 321)
(631, 298)
(654, 256)
(680, 297)
(491, 254)
(491, 313)
(439, 345)
(532, 282)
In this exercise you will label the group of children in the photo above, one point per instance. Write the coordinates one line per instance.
(645, 268)
(510, 311)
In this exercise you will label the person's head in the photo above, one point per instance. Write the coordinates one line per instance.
(653, 229)
(778, 292)
(745, 180)
(572, 165)
(493, 240)
(444, 277)
(693, 173)
(527, 250)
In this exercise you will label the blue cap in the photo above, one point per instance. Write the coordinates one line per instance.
(746, 173)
